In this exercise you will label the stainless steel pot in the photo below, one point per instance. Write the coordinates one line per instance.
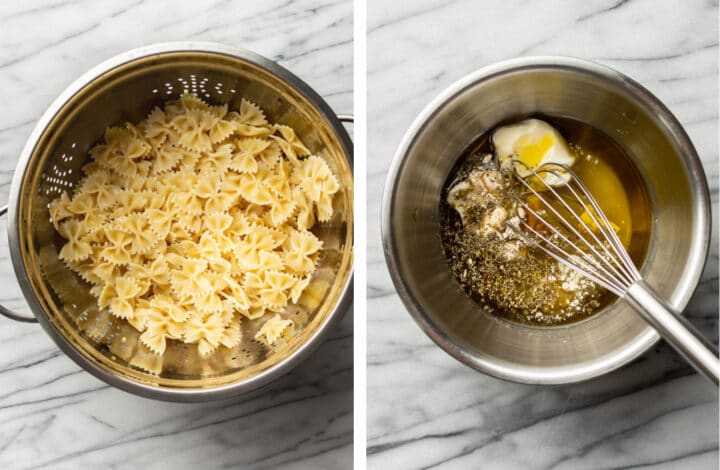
(125, 88)
(601, 97)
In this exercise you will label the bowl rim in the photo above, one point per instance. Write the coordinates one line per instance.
(123, 383)
(548, 375)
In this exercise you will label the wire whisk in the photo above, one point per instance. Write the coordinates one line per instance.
(566, 222)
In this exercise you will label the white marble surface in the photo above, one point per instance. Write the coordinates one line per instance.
(425, 410)
(55, 415)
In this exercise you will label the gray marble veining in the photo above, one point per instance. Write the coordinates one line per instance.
(55, 415)
(425, 410)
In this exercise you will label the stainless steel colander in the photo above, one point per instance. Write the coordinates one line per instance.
(126, 88)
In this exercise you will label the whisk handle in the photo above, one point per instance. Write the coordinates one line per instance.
(675, 329)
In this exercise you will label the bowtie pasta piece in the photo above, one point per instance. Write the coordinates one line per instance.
(276, 331)
(76, 249)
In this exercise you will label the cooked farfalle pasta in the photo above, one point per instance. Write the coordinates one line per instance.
(194, 219)
(276, 331)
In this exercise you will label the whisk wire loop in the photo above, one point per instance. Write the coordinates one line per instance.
(606, 228)
(580, 255)
(617, 264)
(602, 262)
(564, 257)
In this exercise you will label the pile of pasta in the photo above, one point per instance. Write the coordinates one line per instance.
(194, 219)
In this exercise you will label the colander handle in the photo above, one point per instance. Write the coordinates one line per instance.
(346, 117)
(6, 311)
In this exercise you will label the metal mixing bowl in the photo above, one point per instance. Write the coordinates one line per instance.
(564, 87)
(126, 88)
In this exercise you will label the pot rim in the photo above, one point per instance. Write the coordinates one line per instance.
(562, 374)
(139, 388)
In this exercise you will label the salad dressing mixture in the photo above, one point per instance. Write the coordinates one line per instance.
(497, 267)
